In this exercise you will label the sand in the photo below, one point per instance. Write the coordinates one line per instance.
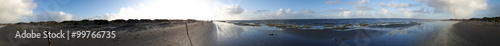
(446, 37)
(468, 33)
(201, 34)
(478, 33)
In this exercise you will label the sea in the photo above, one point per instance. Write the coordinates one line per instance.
(329, 32)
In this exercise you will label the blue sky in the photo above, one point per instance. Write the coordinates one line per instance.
(87, 8)
(59, 10)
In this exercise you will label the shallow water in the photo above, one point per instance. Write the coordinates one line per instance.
(1, 26)
(229, 34)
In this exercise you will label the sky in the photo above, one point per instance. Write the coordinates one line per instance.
(12, 11)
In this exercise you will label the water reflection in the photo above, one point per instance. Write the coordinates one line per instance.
(329, 34)
(399, 35)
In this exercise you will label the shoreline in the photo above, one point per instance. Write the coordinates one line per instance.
(446, 37)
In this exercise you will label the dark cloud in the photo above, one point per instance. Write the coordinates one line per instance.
(261, 11)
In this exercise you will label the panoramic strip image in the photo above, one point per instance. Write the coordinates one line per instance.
(249, 22)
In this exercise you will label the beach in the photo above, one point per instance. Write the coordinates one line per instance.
(319, 32)
(467, 33)
(478, 33)
(380, 33)
(388, 32)
(201, 34)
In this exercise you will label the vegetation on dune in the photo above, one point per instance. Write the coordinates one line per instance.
(101, 21)
(130, 25)
(491, 19)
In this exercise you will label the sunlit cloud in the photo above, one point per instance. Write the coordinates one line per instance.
(18, 10)
(363, 1)
(161, 9)
(12, 10)
(457, 8)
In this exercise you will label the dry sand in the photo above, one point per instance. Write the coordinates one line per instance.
(201, 33)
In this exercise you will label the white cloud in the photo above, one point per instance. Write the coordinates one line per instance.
(171, 9)
(457, 8)
(385, 11)
(339, 10)
(395, 5)
(408, 12)
(332, 2)
(361, 12)
(356, 14)
(233, 9)
(363, 7)
(288, 14)
(363, 1)
(125, 13)
(54, 16)
(411, 13)
(12, 10)
(423, 10)
(345, 13)
(233, 12)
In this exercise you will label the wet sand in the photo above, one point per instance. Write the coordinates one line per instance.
(467, 33)
(478, 33)
(201, 34)
(446, 37)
